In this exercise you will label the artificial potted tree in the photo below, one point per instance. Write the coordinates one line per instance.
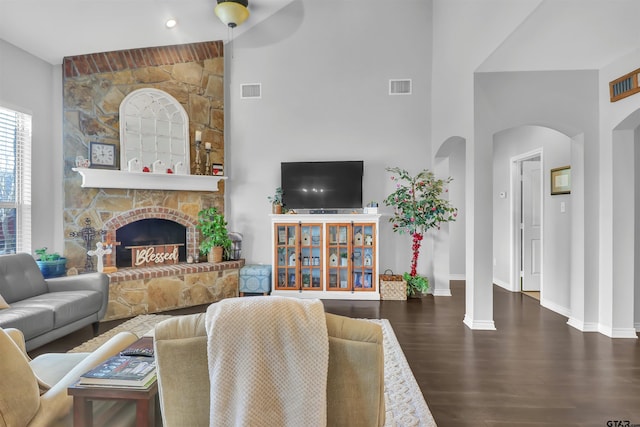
(418, 206)
(50, 264)
(215, 242)
(276, 201)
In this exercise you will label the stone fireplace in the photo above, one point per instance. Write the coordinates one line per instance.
(94, 87)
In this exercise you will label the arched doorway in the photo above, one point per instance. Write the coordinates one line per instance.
(531, 227)
(449, 242)
(623, 315)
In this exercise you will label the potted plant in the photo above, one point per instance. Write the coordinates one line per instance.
(276, 201)
(343, 259)
(418, 207)
(51, 264)
(215, 242)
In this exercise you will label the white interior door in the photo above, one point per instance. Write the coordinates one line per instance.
(531, 224)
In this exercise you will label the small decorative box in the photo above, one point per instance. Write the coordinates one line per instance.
(255, 278)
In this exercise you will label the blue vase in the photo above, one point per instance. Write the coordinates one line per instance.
(55, 268)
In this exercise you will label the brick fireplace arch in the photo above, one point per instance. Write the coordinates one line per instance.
(128, 217)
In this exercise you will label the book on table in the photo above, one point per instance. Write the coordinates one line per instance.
(122, 371)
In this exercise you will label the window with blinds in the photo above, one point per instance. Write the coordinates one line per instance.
(15, 181)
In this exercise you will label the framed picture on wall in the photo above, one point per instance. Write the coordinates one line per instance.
(561, 180)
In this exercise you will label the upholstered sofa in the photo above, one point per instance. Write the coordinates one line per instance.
(355, 381)
(33, 393)
(45, 310)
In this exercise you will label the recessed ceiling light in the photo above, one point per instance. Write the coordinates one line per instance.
(171, 23)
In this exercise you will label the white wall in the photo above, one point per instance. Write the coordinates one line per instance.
(465, 32)
(619, 259)
(566, 101)
(456, 197)
(636, 259)
(325, 97)
(556, 225)
(34, 86)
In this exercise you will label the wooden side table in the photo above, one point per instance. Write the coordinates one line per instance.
(83, 397)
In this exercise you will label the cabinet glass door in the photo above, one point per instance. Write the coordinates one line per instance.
(363, 269)
(311, 256)
(286, 256)
(338, 255)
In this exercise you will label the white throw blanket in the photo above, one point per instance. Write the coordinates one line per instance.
(268, 362)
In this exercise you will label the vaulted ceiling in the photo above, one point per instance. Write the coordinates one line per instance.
(558, 34)
(53, 29)
(569, 35)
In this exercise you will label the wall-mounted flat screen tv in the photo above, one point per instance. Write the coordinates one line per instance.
(322, 185)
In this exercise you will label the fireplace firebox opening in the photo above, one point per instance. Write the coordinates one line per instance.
(149, 232)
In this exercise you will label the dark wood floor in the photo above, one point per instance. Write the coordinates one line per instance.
(535, 370)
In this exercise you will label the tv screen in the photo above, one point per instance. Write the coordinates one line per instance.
(322, 185)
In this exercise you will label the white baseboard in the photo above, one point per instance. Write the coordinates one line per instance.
(458, 276)
(502, 284)
(604, 330)
(582, 326)
(479, 325)
(637, 326)
(442, 292)
(617, 332)
(565, 311)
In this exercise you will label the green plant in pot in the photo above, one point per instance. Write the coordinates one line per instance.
(50, 264)
(276, 201)
(215, 242)
(418, 206)
(344, 258)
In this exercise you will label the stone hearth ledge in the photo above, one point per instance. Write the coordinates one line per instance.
(171, 270)
(157, 289)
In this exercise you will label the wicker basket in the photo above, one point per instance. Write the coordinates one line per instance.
(392, 287)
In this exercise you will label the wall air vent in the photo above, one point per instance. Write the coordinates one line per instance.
(624, 86)
(251, 91)
(400, 87)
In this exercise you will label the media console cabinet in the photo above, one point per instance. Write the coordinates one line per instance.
(333, 256)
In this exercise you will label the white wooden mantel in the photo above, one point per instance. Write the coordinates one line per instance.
(108, 178)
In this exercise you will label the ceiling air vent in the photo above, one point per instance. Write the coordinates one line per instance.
(400, 87)
(624, 86)
(251, 91)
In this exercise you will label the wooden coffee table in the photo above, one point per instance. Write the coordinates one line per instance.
(83, 397)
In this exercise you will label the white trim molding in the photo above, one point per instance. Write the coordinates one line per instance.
(503, 284)
(555, 307)
(479, 325)
(582, 326)
(617, 332)
(108, 178)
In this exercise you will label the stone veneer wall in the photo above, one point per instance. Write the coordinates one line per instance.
(94, 86)
(152, 290)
